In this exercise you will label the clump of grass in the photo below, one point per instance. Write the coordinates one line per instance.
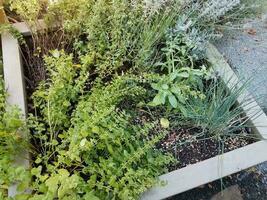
(221, 113)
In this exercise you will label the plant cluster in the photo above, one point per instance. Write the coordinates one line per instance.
(111, 60)
(87, 142)
(11, 128)
(181, 76)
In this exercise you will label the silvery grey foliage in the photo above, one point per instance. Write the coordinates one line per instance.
(152, 6)
(197, 22)
(193, 37)
(208, 9)
(194, 24)
(214, 9)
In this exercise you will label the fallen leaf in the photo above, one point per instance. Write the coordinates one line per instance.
(164, 123)
(251, 31)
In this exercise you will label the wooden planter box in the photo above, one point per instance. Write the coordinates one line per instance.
(179, 180)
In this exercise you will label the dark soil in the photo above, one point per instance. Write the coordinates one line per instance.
(191, 145)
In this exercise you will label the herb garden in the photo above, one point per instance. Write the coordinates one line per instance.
(118, 95)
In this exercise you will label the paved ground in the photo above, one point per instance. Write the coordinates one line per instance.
(246, 52)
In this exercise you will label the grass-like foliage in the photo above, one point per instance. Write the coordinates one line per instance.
(219, 114)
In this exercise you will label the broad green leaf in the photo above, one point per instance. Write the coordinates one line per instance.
(90, 196)
(173, 101)
(155, 86)
(183, 110)
(95, 129)
(38, 160)
(165, 87)
(37, 197)
(158, 100)
(163, 97)
(52, 183)
(22, 196)
(62, 191)
(125, 153)
(63, 172)
(92, 180)
(110, 149)
(54, 142)
(112, 180)
(36, 171)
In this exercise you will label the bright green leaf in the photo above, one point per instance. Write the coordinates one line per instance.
(90, 196)
(63, 172)
(164, 123)
(83, 142)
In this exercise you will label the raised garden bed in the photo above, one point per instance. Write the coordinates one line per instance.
(193, 173)
(112, 103)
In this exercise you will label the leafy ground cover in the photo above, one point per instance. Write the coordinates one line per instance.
(118, 91)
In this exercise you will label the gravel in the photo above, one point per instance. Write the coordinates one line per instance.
(246, 52)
